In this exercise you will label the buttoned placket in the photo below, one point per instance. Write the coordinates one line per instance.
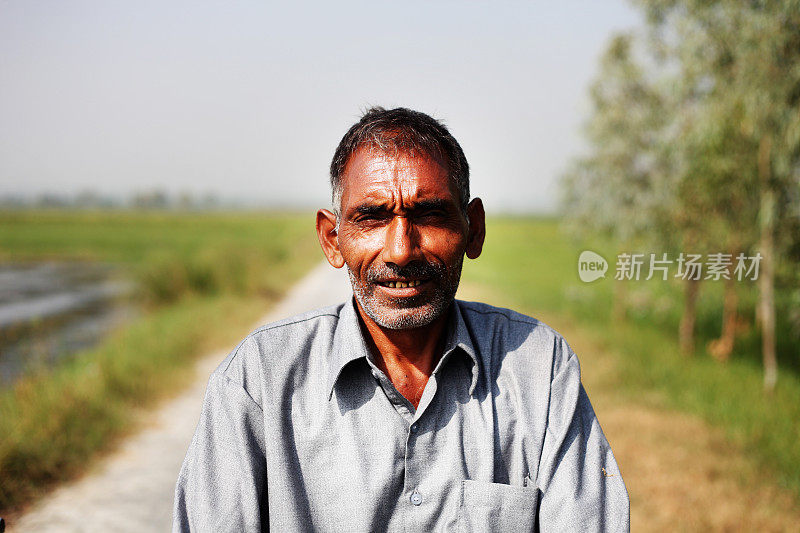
(414, 471)
(415, 497)
(415, 468)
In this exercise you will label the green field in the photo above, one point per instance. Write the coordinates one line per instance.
(202, 279)
(531, 265)
(170, 254)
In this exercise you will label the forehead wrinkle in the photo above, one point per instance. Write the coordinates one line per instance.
(391, 178)
(403, 194)
(396, 162)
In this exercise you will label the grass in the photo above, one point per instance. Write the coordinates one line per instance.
(203, 279)
(129, 237)
(170, 254)
(532, 266)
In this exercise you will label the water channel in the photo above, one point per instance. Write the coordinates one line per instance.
(51, 310)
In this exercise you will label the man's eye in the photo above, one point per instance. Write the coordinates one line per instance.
(433, 214)
(369, 218)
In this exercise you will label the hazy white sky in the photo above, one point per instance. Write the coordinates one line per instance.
(249, 99)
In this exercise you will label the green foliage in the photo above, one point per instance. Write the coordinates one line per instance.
(167, 276)
(205, 279)
(622, 187)
(168, 254)
(695, 143)
(128, 237)
(53, 422)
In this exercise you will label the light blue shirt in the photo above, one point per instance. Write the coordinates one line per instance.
(300, 431)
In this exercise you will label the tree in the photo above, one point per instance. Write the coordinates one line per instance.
(618, 189)
(747, 53)
(693, 145)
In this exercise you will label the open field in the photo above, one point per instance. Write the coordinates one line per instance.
(169, 254)
(201, 278)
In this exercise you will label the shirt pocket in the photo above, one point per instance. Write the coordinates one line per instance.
(496, 507)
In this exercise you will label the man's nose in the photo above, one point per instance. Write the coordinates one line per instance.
(401, 247)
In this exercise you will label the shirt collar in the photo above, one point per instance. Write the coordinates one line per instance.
(349, 344)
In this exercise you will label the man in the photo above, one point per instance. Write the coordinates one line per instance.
(402, 409)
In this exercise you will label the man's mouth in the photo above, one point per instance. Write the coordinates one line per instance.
(396, 284)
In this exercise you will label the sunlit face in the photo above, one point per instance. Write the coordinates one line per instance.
(402, 235)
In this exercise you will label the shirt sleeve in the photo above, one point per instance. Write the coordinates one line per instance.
(581, 485)
(222, 483)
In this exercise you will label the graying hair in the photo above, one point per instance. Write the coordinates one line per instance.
(396, 130)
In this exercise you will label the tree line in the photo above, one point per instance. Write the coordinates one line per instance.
(694, 145)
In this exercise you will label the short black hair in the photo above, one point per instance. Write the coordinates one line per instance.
(401, 129)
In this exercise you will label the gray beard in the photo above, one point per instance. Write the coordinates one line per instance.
(408, 313)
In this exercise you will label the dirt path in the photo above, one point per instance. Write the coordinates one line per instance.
(682, 474)
(132, 489)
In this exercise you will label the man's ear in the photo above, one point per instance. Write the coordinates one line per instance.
(477, 228)
(329, 237)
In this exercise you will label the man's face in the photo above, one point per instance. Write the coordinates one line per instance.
(402, 235)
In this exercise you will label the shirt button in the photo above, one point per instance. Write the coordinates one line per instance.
(414, 428)
(416, 498)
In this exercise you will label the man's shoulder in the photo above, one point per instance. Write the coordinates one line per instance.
(307, 321)
(510, 315)
(490, 316)
(295, 330)
(513, 337)
(283, 341)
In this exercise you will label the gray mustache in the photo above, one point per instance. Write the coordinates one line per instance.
(414, 270)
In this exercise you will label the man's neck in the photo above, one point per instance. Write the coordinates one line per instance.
(407, 356)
